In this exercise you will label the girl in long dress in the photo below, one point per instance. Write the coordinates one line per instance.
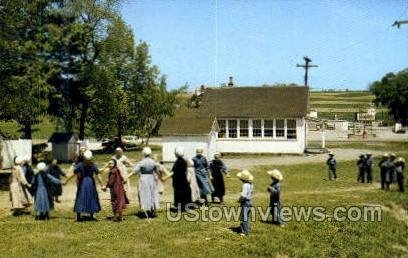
(42, 187)
(147, 187)
(181, 185)
(217, 168)
(115, 183)
(201, 171)
(18, 196)
(87, 200)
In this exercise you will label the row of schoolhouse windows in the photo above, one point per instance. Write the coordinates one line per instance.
(257, 128)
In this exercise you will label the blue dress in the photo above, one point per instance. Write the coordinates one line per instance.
(87, 200)
(201, 169)
(42, 185)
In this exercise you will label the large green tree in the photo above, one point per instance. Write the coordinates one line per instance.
(24, 70)
(109, 114)
(392, 92)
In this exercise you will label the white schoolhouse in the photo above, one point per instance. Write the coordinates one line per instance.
(250, 119)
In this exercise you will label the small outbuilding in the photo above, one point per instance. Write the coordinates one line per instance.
(64, 146)
(190, 130)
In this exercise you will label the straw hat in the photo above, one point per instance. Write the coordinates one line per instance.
(401, 160)
(393, 155)
(369, 154)
(386, 155)
(331, 153)
(217, 155)
(179, 151)
(146, 151)
(19, 160)
(199, 150)
(245, 175)
(275, 174)
(88, 155)
(40, 167)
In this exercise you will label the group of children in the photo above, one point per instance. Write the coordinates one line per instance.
(365, 168)
(245, 198)
(41, 185)
(391, 170)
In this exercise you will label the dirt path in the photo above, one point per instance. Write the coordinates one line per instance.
(248, 162)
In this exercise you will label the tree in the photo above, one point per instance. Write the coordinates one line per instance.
(109, 114)
(83, 33)
(24, 70)
(150, 101)
(392, 92)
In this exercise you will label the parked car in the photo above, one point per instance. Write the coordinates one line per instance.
(131, 139)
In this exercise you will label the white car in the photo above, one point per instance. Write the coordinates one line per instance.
(131, 139)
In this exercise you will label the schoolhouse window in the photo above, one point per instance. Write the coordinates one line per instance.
(223, 131)
(291, 128)
(243, 128)
(268, 128)
(256, 128)
(232, 129)
(280, 128)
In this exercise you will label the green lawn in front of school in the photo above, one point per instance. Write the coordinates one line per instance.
(303, 185)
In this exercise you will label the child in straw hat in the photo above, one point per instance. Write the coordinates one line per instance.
(383, 169)
(245, 200)
(274, 202)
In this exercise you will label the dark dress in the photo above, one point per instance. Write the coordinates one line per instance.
(56, 172)
(87, 200)
(217, 168)
(117, 191)
(29, 175)
(182, 191)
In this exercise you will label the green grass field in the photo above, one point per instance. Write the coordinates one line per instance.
(303, 185)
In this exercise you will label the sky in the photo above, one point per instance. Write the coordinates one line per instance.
(203, 42)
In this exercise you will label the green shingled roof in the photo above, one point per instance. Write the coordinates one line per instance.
(187, 122)
(261, 102)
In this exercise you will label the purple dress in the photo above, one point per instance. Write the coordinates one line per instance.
(87, 200)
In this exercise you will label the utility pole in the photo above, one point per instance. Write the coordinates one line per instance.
(398, 23)
(306, 66)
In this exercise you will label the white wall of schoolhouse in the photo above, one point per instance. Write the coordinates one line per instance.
(190, 144)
